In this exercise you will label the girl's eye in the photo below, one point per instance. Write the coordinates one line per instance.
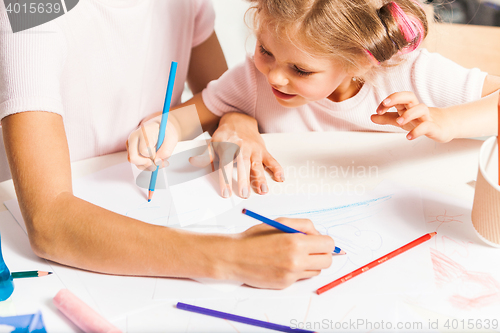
(264, 51)
(301, 72)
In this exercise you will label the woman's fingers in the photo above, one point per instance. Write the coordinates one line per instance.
(308, 274)
(319, 261)
(304, 225)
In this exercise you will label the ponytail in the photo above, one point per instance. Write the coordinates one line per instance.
(403, 31)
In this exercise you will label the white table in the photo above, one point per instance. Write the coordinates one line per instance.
(449, 169)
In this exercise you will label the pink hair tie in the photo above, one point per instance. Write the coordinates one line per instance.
(372, 58)
(411, 27)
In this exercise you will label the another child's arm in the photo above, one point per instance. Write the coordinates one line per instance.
(473, 119)
(234, 127)
(183, 123)
(253, 159)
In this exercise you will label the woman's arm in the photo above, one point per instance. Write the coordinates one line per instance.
(71, 231)
(66, 229)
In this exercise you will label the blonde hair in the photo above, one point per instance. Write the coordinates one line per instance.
(356, 32)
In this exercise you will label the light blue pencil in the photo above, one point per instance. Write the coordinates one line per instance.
(163, 124)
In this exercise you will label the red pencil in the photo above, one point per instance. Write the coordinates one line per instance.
(376, 262)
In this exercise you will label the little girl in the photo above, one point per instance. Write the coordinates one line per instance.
(325, 65)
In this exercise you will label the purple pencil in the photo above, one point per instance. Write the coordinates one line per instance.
(240, 319)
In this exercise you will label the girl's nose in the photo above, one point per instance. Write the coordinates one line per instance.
(276, 77)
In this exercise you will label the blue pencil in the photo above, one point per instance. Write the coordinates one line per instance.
(280, 226)
(163, 124)
(240, 319)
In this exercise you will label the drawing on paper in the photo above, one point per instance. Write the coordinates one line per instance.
(347, 225)
(466, 289)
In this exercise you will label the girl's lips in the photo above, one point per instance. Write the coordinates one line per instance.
(281, 95)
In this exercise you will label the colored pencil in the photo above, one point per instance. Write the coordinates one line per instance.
(280, 226)
(29, 274)
(240, 319)
(376, 262)
(163, 124)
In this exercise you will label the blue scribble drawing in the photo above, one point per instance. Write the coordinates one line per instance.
(349, 226)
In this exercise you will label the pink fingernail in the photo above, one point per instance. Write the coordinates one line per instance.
(263, 188)
(409, 137)
(225, 194)
(244, 192)
(400, 120)
(387, 101)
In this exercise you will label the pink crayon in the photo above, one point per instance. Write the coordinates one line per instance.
(81, 314)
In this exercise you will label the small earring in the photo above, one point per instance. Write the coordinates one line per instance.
(354, 79)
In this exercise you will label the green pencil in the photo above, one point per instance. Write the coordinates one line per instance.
(28, 274)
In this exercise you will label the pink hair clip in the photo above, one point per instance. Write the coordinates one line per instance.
(411, 27)
(372, 58)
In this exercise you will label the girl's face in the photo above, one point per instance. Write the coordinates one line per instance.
(297, 77)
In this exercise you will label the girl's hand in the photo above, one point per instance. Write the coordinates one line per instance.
(414, 117)
(265, 257)
(252, 158)
(141, 144)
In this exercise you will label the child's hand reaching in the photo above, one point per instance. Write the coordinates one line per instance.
(413, 116)
(141, 144)
(253, 159)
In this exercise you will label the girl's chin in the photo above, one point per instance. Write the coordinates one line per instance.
(295, 103)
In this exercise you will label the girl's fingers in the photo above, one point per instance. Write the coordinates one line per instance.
(257, 177)
(388, 118)
(420, 111)
(165, 151)
(243, 170)
(226, 155)
(226, 179)
(427, 128)
(400, 100)
(133, 153)
(204, 159)
(146, 146)
(274, 167)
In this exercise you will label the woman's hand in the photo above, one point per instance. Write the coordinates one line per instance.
(252, 158)
(265, 257)
(415, 117)
(141, 144)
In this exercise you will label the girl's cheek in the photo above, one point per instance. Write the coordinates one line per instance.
(260, 64)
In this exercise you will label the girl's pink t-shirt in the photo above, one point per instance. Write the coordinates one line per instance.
(435, 80)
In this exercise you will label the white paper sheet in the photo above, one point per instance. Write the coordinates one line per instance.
(466, 269)
(365, 226)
